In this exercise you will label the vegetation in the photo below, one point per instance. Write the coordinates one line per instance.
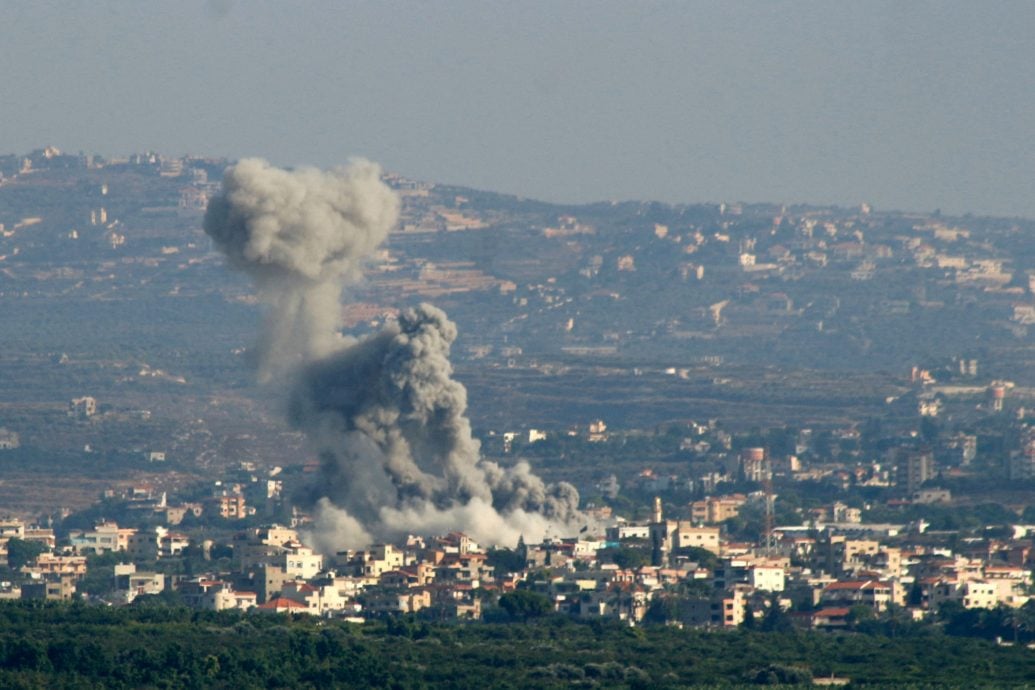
(20, 552)
(72, 646)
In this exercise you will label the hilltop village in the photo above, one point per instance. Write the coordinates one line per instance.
(774, 413)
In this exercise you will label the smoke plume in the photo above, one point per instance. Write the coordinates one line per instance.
(302, 236)
(384, 413)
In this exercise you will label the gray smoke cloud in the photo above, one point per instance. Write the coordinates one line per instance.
(384, 413)
(301, 235)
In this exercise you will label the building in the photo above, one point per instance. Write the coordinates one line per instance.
(378, 559)
(82, 408)
(961, 449)
(172, 544)
(716, 509)
(758, 574)
(724, 610)
(1021, 463)
(8, 439)
(58, 589)
(707, 538)
(11, 528)
(914, 467)
(281, 605)
(262, 545)
(299, 561)
(52, 567)
(870, 593)
(625, 531)
(229, 506)
(131, 583)
(103, 538)
(667, 537)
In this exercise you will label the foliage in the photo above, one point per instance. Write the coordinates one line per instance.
(523, 604)
(61, 645)
(100, 572)
(776, 619)
(20, 552)
(703, 557)
(505, 561)
(626, 557)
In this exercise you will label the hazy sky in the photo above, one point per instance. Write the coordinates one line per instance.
(908, 105)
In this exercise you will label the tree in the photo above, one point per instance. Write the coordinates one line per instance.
(916, 595)
(776, 619)
(21, 552)
(627, 557)
(859, 614)
(525, 604)
(662, 609)
(506, 561)
(749, 617)
(703, 557)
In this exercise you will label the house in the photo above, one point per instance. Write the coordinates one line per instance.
(229, 506)
(716, 509)
(49, 566)
(871, 593)
(103, 538)
(724, 609)
(382, 601)
(131, 583)
(299, 561)
(172, 544)
(281, 605)
(758, 574)
(830, 617)
(60, 589)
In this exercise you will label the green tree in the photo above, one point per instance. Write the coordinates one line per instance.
(524, 604)
(776, 619)
(916, 594)
(505, 561)
(627, 557)
(703, 557)
(749, 617)
(662, 609)
(21, 552)
(860, 614)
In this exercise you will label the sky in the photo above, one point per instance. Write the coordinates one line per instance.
(904, 105)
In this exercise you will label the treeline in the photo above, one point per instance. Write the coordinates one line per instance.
(144, 646)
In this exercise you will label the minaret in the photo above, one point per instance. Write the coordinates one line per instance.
(655, 513)
(659, 540)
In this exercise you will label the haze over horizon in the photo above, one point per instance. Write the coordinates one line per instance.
(916, 106)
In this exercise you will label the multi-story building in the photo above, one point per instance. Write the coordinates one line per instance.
(871, 593)
(716, 509)
(914, 467)
(758, 574)
(229, 506)
(50, 566)
(103, 538)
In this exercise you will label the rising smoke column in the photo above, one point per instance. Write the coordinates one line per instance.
(301, 235)
(384, 413)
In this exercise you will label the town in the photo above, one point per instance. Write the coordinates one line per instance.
(718, 381)
(703, 566)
